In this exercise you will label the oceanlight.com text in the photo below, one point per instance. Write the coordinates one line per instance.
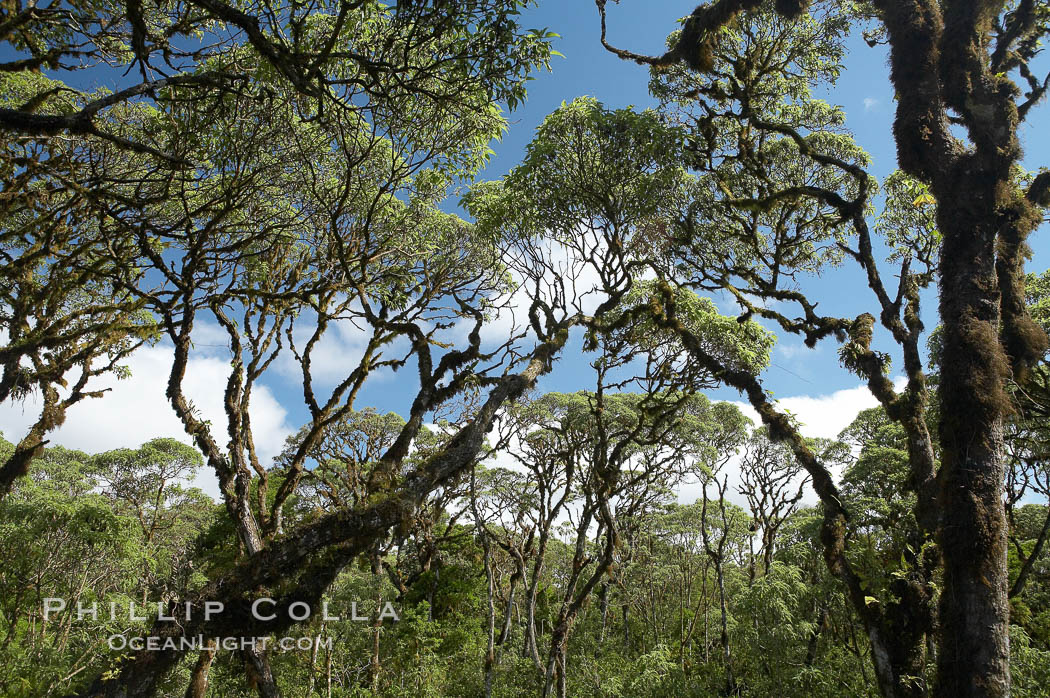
(199, 642)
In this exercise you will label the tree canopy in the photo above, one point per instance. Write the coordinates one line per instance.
(275, 175)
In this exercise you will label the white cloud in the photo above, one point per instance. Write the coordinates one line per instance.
(827, 415)
(870, 103)
(210, 338)
(503, 457)
(136, 410)
(821, 415)
(334, 356)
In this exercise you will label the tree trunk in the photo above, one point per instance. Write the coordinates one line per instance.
(814, 636)
(605, 612)
(490, 618)
(260, 674)
(328, 672)
(377, 627)
(974, 657)
(727, 656)
(313, 664)
(554, 674)
(563, 664)
(531, 649)
(507, 617)
(198, 687)
(626, 626)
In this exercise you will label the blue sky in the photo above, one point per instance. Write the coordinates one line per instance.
(816, 387)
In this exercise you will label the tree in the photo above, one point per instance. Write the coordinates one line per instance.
(562, 192)
(281, 179)
(951, 62)
(73, 237)
(64, 322)
(728, 522)
(1027, 439)
(277, 175)
(772, 482)
(92, 530)
(329, 52)
(149, 483)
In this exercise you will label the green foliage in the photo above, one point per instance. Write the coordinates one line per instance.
(291, 175)
(743, 346)
(907, 221)
(1029, 666)
(587, 166)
